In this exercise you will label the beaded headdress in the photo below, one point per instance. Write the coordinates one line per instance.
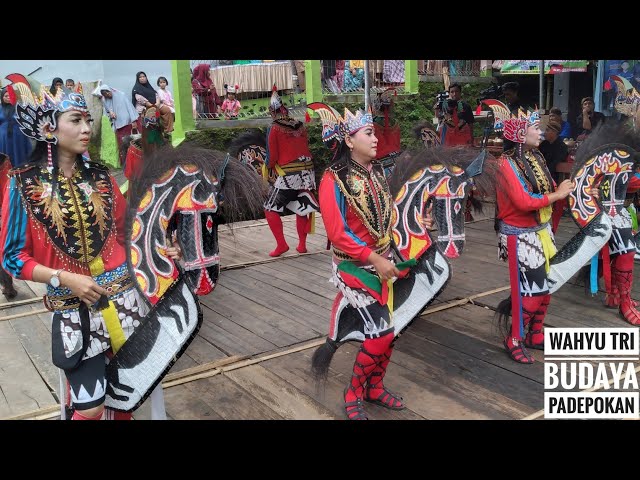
(336, 127)
(275, 105)
(514, 127)
(36, 108)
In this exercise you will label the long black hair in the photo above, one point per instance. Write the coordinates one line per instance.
(8, 111)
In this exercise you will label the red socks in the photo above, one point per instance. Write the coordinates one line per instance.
(275, 224)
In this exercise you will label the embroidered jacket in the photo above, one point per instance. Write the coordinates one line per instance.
(356, 210)
(80, 230)
(522, 186)
(287, 141)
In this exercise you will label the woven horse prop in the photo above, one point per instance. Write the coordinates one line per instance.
(420, 179)
(604, 161)
(607, 160)
(250, 149)
(189, 192)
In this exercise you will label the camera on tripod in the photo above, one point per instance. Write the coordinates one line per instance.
(441, 98)
(494, 92)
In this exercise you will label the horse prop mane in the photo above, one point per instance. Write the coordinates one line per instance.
(190, 192)
(441, 176)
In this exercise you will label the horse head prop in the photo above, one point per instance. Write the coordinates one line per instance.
(605, 160)
(183, 195)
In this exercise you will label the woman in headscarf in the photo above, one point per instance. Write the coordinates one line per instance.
(144, 97)
(203, 87)
(55, 84)
(12, 142)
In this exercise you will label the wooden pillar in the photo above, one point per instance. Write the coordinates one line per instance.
(411, 76)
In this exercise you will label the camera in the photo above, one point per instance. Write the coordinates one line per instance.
(493, 92)
(441, 98)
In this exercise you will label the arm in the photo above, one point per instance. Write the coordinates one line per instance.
(17, 258)
(119, 211)
(467, 113)
(586, 121)
(105, 112)
(272, 148)
(334, 215)
(15, 238)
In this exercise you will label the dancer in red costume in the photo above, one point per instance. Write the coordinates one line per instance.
(356, 210)
(289, 156)
(63, 224)
(525, 192)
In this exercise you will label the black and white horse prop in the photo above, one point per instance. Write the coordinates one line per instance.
(605, 160)
(187, 192)
(440, 176)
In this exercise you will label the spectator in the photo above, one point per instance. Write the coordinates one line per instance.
(565, 132)
(121, 113)
(165, 95)
(55, 85)
(205, 90)
(12, 142)
(588, 119)
(456, 119)
(231, 106)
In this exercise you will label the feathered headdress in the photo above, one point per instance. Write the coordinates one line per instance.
(384, 99)
(276, 107)
(335, 126)
(36, 106)
(627, 98)
(514, 127)
(232, 88)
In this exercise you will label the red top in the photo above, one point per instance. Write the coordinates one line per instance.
(26, 241)
(344, 229)
(517, 204)
(388, 140)
(287, 145)
(634, 183)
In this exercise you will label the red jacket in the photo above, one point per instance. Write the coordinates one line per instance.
(346, 231)
(517, 204)
(286, 145)
(30, 237)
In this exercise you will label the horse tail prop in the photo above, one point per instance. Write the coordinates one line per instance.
(503, 315)
(322, 359)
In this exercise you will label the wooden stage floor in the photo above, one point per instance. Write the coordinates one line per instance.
(251, 357)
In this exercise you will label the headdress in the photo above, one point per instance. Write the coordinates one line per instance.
(514, 127)
(232, 88)
(627, 97)
(336, 127)
(382, 101)
(36, 108)
(275, 105)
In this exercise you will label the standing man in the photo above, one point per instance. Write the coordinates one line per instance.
(456, 119)
(121, 113)
(511, 92)
(588, 119)
(554, 151)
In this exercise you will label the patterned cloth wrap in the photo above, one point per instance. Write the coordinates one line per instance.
(292, 188)
(125, 298)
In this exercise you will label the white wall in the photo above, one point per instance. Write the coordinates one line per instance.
(561, 92)
(119, 74)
